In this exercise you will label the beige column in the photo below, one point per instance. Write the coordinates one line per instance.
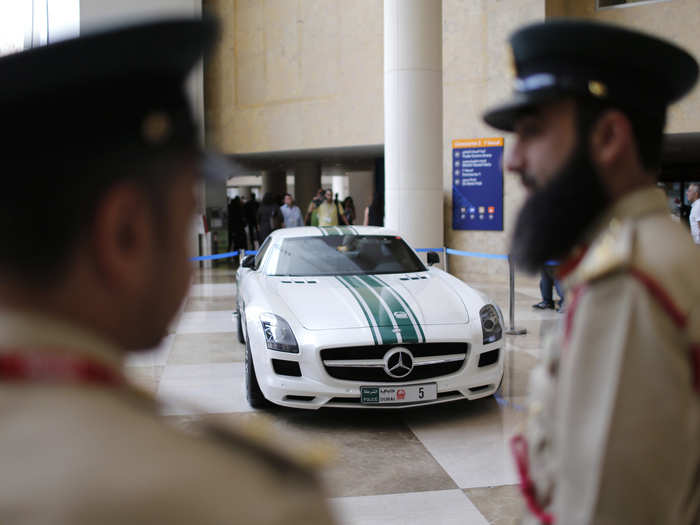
(307, 180)
(361, 189)
(244, 192)
(413, 120)
(275, 182)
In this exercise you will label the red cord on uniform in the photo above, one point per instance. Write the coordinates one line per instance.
(518, 445)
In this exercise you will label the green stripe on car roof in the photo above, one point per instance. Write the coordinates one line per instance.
(404, 322)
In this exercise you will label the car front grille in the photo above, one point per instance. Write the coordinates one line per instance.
(366, 363)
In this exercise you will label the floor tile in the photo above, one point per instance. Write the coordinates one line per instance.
(212, 290)
(470, 440)
(203, 389)
(198, 304)
(199, 348)
(154, 357)
(376, 453)
(206, 322)
(499, 505)
(446, 507)
(214, 276)
(518, 365)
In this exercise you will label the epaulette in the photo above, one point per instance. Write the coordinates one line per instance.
(257, 436)
(611, 251)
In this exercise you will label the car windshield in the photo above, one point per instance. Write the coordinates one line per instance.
(341, 255)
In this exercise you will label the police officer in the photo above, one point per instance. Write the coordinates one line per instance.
(100, 159)
(614, 429)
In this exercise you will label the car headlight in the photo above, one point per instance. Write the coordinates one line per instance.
(278, 334)
(490, 323)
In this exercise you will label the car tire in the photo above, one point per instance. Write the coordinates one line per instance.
(255, 397)
(241, 337)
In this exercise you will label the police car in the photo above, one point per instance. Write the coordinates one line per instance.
(350, 317)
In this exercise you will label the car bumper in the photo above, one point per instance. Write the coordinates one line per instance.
(316, 388)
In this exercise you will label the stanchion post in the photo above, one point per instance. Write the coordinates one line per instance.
(513, 330)
(444, 253)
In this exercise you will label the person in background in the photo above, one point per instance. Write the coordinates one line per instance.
(548, 281)
(374, 213)
(693, 195)
(250, 212)
(269, 217)
(349, 208)
(104, 141)
(291, 213)
(236, 225)
(311, 218)
(330, 212)
(613, 434)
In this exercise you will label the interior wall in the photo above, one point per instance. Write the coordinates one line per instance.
(676, 20)
(477, 75)
(296, 75)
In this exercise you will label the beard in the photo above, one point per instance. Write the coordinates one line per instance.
(556, 217)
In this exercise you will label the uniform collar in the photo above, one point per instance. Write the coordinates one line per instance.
(641, 202)
(34, 332)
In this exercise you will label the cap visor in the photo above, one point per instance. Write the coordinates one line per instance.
(504, 116)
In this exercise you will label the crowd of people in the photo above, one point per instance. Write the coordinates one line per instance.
(251, 221)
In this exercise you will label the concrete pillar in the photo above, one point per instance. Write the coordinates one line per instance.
(340, 186)
(307, 180)
(361, 189)
(336, 173)
(244, 192)
(275, 182)
(413, 120)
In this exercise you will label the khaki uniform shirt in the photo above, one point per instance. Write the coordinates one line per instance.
(614, 428)
(74, 453)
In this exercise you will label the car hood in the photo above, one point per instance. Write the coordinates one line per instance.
(392, 301)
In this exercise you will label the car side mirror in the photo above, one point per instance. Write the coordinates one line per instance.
(433, 258)
(248, 261)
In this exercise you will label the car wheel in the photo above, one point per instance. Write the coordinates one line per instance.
(256, 399)
(241, 337)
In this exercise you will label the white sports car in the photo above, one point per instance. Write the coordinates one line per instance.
(350, 317)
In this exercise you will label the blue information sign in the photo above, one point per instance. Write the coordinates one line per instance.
(477, 184)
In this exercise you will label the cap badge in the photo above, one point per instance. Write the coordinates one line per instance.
(597, 89)
(156, 127)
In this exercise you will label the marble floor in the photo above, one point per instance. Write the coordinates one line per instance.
(443, 464)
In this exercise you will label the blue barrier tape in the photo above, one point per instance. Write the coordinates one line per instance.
(429, 250)
(504, 403)
(217, 256)
(477, 254)
(250, 252)
(552, 263)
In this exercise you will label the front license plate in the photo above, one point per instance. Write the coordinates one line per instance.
(377, 395)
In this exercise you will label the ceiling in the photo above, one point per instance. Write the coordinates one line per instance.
(357, 157)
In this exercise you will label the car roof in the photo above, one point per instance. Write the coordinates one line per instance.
(316, 231)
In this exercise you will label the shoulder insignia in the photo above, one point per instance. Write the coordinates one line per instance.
(612, 250)
(257, 436)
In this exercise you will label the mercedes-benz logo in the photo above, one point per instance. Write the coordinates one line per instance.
(398, 362)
